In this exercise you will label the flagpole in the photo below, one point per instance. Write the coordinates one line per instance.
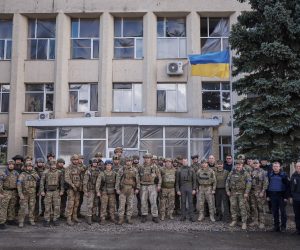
(231, 103)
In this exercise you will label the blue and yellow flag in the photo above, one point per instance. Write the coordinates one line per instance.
(215, 64)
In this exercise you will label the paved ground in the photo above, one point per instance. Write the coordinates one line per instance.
(149, 240)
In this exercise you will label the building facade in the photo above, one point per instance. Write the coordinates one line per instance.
(85, 76)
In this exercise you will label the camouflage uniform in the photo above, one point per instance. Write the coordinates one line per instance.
(167, 199)
(40, 200)
(148, 175)
(8, 188)
(106, 184)
(64, 197)
(259, 186)
(27, 184)
(238, 183)
(52, 184)
(73, 177)
(206, 181)
(127, 181)
(90, 190)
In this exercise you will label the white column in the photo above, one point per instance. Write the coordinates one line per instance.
(105, 97)
(61, 87)
(17, 86)
(149, 66)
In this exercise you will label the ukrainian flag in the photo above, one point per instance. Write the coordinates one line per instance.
(215, 64)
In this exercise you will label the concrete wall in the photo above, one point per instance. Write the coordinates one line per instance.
(106, 70)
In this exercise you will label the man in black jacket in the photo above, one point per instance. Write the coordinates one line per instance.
(295, 193)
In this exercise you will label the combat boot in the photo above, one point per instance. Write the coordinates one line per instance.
(75, 218)
(244, 226)
(233, 223)
(32, 223)
(55, 223)
(95, 218)
(162, 217)
(155, 219)
(89, 220)
(2, 226)
(21, 224)
(201, 217)
(46, 223)
(113, 220)
(253, 223)
(11, 223)
(121, 221)
(171, 217)
(129, 220)
(69, 221)
(102, 221)
(212, 218)
(144, 218)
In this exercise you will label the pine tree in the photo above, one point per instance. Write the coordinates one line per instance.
(267, 45)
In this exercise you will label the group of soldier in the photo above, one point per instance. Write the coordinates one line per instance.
(163, 186)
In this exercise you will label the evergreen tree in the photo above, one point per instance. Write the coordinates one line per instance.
(267, 45)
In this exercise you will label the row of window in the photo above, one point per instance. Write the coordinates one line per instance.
(127, 97)
(128, 38)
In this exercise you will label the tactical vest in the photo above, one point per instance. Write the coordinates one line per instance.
(10, 181)
(204, 177)
(129, 177)
(110, 181)
(186, 175)
(75, 173)
(147, 174)
(29, 182)
(52, 180)
(276, 183)
(168, 177)
(93, 174)
(258, 177)
(221, 177)
(237, 181)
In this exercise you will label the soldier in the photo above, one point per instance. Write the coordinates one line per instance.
(149, 172)
(212, 161)
(52, 187)
(18, 163)
(195, 165)
(186, 188)
(27, 183)
(258, 195)
(60, 165)
(228, 165)
(127, 185)
(116, 163)
(73, 177)
(90, 190)
(161, 162)
(28, 159)
(177, 163)
(106, 190)
(84, 168)
(136, 164)
(155, 160)
(99, 156)
(221, 196)
(39, 204)
(238, 185)
(8, 194)
(118, 152)
(167, 199)
(50, 157)
(206, 181)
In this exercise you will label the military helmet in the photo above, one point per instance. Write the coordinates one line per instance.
(135, 157)
(154, 157)
(28, 157)
(40, 160)
(239, 161)
(10, 162)
(241, 157)
(61, 160)
(147, 155)
(219, 162)
(74, 157)
(203, 161)
(168, 159)
(81, 157)
(99, 155)
(53, 162)
(194, 157)
(94, 160)
(50, 155)
(118, 149)
(128, 158)
(27, 164)
(107, 162)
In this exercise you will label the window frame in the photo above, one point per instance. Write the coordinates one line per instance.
(220, 91)
(176, 38)
(135, 39)
(89, 97)
(92, 39)
(37, 39)
(44, 92)
(177, 97)
(133, 84)
(222, 145)
(222, 38)
(1, 97)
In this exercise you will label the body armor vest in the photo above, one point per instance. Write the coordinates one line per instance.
(10, 180)
(168, 177)
(52, 180)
